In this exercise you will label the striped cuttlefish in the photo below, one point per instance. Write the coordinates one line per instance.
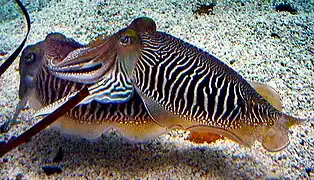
(141, 73)
(94, 115)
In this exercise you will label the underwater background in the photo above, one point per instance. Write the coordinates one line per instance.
(268, 41)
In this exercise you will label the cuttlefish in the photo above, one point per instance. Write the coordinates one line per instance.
(44, 92)
(185, 87)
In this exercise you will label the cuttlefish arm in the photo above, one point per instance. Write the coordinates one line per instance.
(92, 63)
(86, 64)
(101, 66)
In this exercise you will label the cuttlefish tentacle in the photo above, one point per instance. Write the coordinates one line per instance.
(96, 59)
(88, 120)
(5, 127)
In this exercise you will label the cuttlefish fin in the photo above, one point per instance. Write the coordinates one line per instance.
(71, 126)
(131, 129)
(268, 93)
(272, 138)
(139, 130)
(66, 124)
(242, 136)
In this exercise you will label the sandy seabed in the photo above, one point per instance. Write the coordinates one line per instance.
(240, 34)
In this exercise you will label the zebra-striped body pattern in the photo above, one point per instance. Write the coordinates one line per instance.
(186, 87)
(195, 85)
(49, 89)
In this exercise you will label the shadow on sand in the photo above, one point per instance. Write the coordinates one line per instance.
(111, 153)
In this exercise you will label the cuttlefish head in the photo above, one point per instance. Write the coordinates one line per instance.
(90, 64)
(29, 62)
(55, 47)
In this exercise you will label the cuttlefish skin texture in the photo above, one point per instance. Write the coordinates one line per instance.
(86, 120)
(183, 86)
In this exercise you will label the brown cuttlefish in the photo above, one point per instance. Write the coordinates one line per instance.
(185, 87)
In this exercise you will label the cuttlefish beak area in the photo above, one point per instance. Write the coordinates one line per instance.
(89, 63)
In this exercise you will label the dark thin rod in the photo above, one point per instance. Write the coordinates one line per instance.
(45, 122)
(10, 60)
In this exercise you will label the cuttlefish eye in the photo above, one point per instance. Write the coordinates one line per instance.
(128, 37)
(126, 40)
(29, 57)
